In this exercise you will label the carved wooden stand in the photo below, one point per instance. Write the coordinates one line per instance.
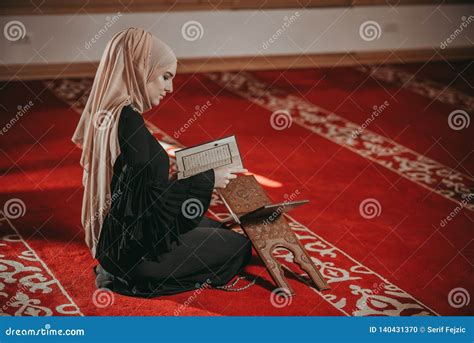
(244, 194)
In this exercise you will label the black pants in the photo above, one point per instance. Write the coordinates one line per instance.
(210, 254)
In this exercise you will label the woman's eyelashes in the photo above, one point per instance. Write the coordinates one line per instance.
(167, 76)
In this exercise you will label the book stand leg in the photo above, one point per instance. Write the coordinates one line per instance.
(244, 194)
(266, 237)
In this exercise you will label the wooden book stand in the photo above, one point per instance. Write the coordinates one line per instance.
(244, 194)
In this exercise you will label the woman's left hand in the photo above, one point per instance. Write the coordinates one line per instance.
(174, 176)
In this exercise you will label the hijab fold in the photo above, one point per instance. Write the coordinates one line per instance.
(132, 58)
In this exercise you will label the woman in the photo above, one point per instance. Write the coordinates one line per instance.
(139, 224)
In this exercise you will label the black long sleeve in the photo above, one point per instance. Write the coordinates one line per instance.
(150, 211)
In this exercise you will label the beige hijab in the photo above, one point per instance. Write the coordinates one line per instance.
(131, 58)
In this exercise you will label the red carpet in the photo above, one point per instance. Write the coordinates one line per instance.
(407, 164)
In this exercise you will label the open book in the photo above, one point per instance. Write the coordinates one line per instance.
(213, 154)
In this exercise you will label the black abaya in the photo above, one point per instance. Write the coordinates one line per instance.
(152, 242)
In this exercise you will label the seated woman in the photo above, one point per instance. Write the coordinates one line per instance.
(140, 225)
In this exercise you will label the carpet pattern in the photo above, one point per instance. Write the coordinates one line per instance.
(379, 192)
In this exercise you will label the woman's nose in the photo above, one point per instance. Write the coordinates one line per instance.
(169, 88)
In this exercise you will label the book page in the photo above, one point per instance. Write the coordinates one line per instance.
(199, 158)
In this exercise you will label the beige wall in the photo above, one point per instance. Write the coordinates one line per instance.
(63, 38)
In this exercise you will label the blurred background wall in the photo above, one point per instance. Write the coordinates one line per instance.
(52, 39)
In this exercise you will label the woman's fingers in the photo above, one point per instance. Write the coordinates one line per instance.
(233, 169)
(225, 174)
(238, 170)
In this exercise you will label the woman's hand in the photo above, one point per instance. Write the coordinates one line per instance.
(224, 174)
(174, 176)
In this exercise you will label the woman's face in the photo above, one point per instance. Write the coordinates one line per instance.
(163, 84)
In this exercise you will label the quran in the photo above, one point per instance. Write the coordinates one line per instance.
(208, 155)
